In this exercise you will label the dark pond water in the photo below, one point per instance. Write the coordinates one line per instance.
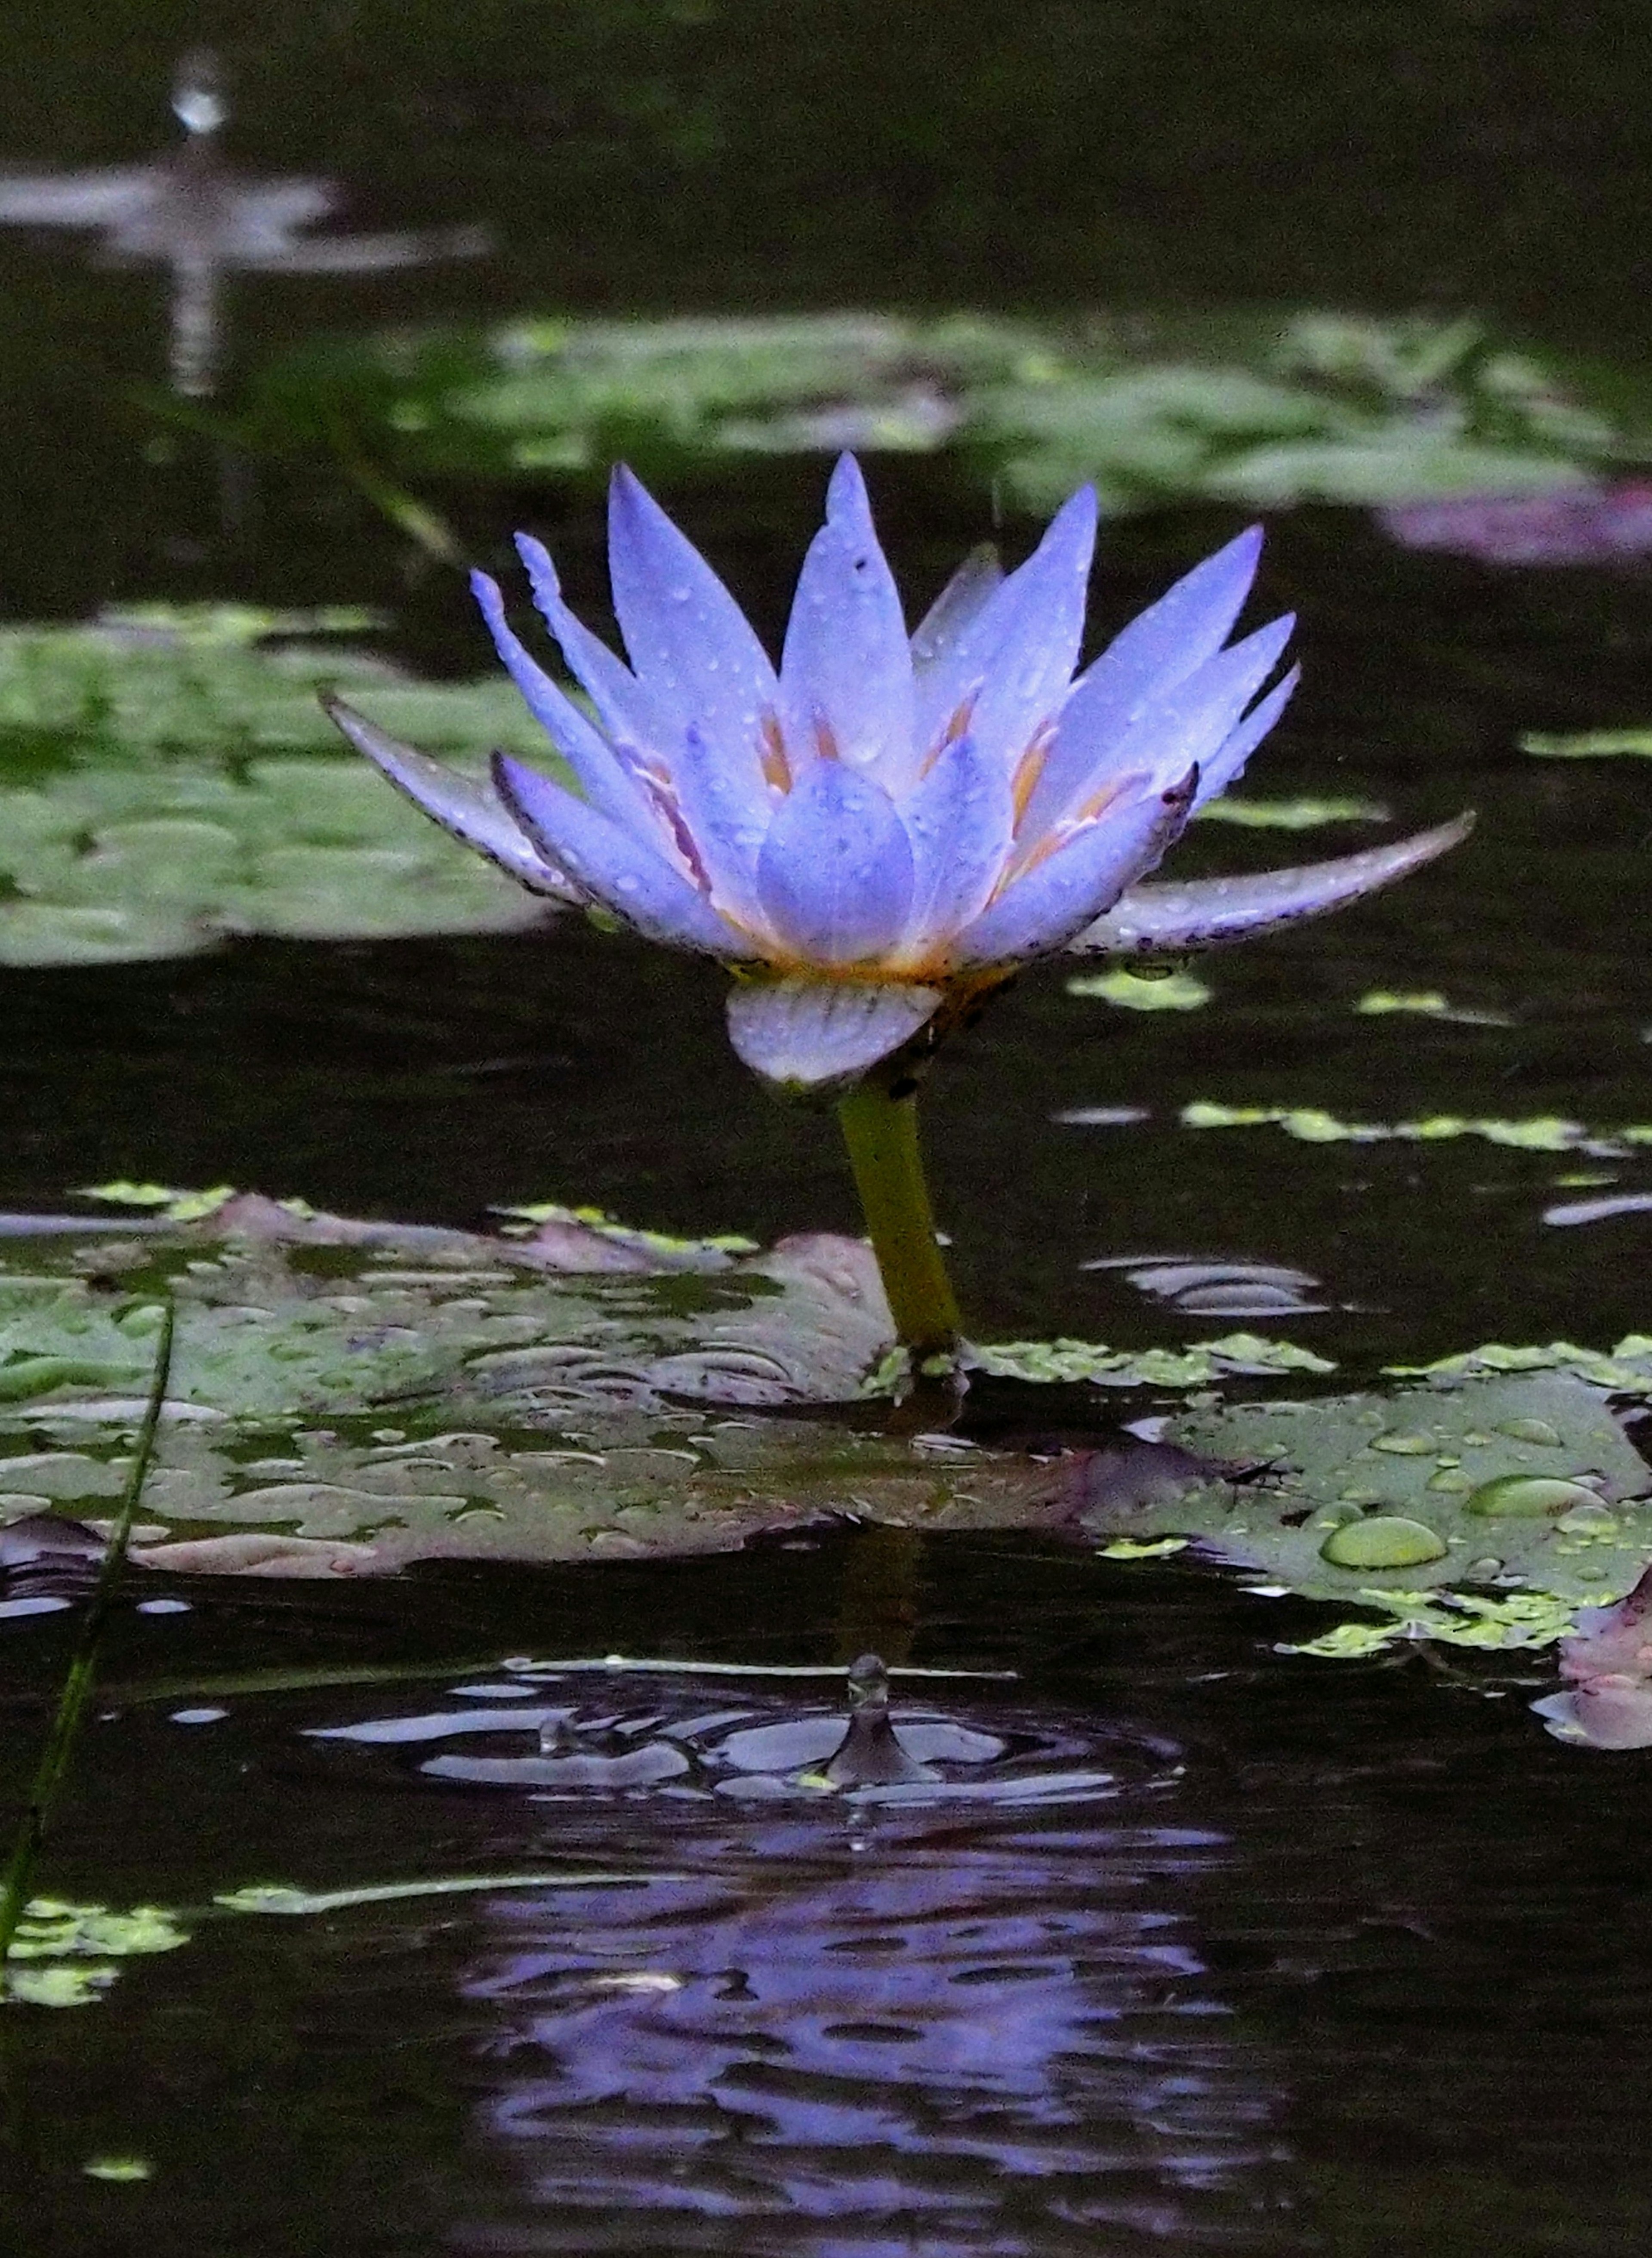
(1192, 1944)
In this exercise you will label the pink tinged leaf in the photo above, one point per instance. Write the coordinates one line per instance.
(1159, 647)
(846, 665)
(1204, 913)
(811, 1034)
(615, 867)
(690, 644)
(1226, 764)
(1025, 636)
(1042, 909)
(960, 820)
(464, 807)
(600, 775)
(1188, 723)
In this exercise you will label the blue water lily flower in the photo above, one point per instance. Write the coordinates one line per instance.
(886, 824)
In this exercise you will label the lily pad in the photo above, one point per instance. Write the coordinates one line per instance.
(168, 781)
(1228, 406)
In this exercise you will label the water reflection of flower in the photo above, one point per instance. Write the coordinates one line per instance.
(187, 211)
(996, 2041)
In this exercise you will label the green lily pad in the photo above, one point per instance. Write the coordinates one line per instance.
(164, 784)
(1331, 1509)
(1229, 406)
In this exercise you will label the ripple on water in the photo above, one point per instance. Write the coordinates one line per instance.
(963, 2014)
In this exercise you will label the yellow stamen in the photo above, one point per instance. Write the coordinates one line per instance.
(775, 767)
(1029, 768)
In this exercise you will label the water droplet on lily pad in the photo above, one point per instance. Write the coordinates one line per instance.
(1530, 1496)
(1531, 1431)
(1405, 1446)
(1591, 1520)
(1450, 1478)
(1387, 1540)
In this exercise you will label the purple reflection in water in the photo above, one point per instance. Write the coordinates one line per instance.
(947, 2030)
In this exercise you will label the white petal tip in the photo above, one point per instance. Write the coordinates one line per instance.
(806, 1035)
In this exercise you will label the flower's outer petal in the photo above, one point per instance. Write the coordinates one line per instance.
(1159, 647)
(809, 1035)
(1043, 910)
(1227, 764)
(1150, 921)
(957, 604)
(468, 808)
(629, 715)
(726, 822)
(960, 820)
(834, 875)
(846, 665)
(1020, 646)
(615, 866)
(1188, 723)
(690, 644)
(600, 775)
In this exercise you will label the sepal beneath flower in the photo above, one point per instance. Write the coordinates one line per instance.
(822, 1034)
(1151, 919)
(468, 808)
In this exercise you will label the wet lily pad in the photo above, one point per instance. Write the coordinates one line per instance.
(168, 780)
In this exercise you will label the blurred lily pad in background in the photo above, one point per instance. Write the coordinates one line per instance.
(1250, 408)
(167, 778)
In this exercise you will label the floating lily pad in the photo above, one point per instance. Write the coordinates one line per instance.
(1348, 1494)
(1235, 407)
(1138, 992)
(165, 782)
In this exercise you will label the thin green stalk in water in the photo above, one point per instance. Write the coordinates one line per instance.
(71, 1708)
(880, 1126)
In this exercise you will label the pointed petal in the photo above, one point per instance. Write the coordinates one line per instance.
(1022, 644)
(846, 662)
(960, 820)
(1205, 912)
(807, 1035)
(628, 712)
(834, 874)
(956, 605)
(614, 866)
(728, 821)
(1189, 722)
(600, 775)
(465, 806)
(1043, 910)
(1161, 646)
(1227, 764)
(689, 642)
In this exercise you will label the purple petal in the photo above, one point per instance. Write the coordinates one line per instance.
(726, 819)
(689, 642)
(1044, 909)
(807, 1033)
(1189, 722)
(600, 775)
(959, 601)
(834, 875)
(847, 666)
(1159, 647)
(1022, 644)
(1227, 764)
(627, 711)
(615, 866)
(1206, 911)
(467, 808)
(960, 820)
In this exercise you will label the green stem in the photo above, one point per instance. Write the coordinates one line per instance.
(880, 1131)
